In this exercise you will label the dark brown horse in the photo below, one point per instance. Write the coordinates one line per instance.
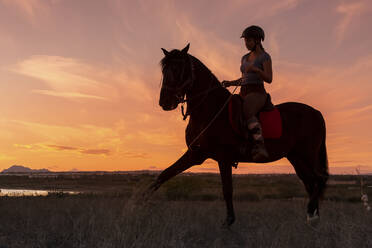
(210, 135)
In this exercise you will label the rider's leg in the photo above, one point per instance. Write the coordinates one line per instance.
(253, 103)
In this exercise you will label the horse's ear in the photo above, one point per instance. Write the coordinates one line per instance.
(166, 53)
(186, 49)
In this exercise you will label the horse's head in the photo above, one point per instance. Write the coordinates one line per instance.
(177, 77)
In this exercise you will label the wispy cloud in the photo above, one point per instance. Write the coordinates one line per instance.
(29, 146)
(6, 157)
(223, 65)
(271, 8)
(29, 9)
(349, 11)
(274, 45)
(110, 141)
(96, 151)
(126, 154)
(67, 77)
(50, 136)
(71, 95)
(62, 148)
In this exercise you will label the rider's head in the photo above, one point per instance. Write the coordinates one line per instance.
(253, 35)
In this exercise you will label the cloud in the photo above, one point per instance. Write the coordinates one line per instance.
(271, 8)
(48, 136)
(72, 78)
(67, 77)
(274, 45)
(64, 148)
(127, 154)
(111, 141)
(33, 147)
(29, 9)
(68, 94)
(213, 55)
(134, 88)
(6, 157)
(61, 148)
(96, 151)
(349, 12)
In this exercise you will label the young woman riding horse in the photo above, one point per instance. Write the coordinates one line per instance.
(209, 133)
(256, 69)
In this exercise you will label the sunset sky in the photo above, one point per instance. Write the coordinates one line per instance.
(80, 79)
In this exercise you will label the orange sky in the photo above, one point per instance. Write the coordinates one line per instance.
(80, 80)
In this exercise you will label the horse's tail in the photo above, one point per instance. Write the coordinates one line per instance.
(323, 162)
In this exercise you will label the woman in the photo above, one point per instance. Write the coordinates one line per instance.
(256, 69)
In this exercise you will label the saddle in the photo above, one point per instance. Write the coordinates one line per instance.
(269, 118)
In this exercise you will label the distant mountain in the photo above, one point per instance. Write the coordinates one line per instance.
(22, 169)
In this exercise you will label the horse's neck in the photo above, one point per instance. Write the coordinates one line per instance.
(204, 83)
(207, 96)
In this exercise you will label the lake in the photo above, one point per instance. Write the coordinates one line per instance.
(30, 192)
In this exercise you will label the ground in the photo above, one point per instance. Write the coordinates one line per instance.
(186, 212)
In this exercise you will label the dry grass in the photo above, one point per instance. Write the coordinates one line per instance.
(98, 221)
(184, 215)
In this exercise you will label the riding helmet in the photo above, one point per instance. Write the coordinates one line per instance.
(254, 32)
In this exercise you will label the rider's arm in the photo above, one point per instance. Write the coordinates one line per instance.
(232, 83)
(236, 82)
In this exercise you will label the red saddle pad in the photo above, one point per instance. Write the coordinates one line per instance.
(271, 124)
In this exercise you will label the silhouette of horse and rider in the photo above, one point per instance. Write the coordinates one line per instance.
(210, 132)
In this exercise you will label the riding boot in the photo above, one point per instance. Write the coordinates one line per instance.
(259, 151)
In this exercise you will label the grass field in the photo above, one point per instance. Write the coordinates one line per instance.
(186, 212)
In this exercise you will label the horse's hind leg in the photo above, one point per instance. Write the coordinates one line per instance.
(306, 170)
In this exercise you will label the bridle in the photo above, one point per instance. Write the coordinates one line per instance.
(180, 93)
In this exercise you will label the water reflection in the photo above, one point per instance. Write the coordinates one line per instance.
(31, 192)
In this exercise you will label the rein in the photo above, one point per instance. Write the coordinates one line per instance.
(213, 119)
(182, 100)
(205, 93)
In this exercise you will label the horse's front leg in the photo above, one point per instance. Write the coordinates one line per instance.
(226, 178)
(188, 159)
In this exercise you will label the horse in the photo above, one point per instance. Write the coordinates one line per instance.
(209, 133)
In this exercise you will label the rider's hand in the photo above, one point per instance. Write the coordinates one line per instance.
(226, 83)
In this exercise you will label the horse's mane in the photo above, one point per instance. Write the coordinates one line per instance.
(178, 55)
(205, 69)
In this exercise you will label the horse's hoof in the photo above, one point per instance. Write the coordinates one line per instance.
(148, 193)
(228, 222)
(313, 219)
